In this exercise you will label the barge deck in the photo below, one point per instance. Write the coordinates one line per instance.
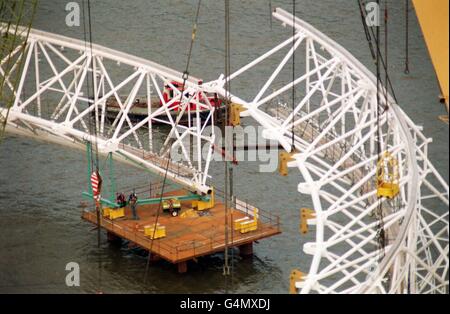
(192, 233)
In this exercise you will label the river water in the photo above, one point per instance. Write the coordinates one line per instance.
(41, 184)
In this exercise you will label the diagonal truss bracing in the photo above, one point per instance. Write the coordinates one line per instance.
(336, 130)
(52, 97)
(335, 127)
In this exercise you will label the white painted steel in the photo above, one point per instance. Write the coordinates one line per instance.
(335, 132)
(335, 136)
(60, 67)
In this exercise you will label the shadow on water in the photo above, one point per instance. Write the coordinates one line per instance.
(117, 267)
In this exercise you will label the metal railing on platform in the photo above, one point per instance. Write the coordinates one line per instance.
(268, 224)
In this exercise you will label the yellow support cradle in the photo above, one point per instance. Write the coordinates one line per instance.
(245, 224)
(238, 223)
(235, 114)
(283, 160)
(305, 214)
(250, 225)
(203, 205)
(116, 213)
(105, 212)
(387, 176)
(150, 231)
(296, 276)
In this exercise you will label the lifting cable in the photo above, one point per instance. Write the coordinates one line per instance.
(226, 266)
(92, 128)
(185, 78)
(270, 13)
(381, 231)
(379, 213)
(293, 75)
(407, 37)
(383, 61)
(366, 29)
(375, 50)
(370, 33)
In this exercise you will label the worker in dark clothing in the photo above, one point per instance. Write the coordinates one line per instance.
(132, 200)
(123, 202)
(120, 200)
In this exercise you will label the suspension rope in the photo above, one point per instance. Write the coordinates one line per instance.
(406, 36)
(381, 63)
(376, 50)
(86, 30)
(293, 76)
(169, 157)
(373, 39)
(92, 79)
(233, 145)
(366, 30)
(226, 267)
(93, 129)
(381, 230)
(379, 204)
(270, 13)
(386, 51)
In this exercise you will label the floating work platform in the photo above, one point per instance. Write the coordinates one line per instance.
(192, 233)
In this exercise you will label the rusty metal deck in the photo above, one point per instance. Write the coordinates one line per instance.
(188, 237)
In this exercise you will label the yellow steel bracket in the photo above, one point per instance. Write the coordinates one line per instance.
(249, 225)
(238, 223)
(295, 277)
(105, 212)
(155, 231)
(245, 224)
(203, 205)
(115, 213)
(283, 160)
(305, 214)
(235, 114)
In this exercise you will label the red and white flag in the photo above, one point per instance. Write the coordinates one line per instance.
(96, 182)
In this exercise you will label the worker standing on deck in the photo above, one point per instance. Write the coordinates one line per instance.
(123, 202)
(132, 201)
(120, 200)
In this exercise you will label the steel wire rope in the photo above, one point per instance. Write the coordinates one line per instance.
(375, 51)
(226, 267)
(370, 33)
(406, 37)
(87, 30)
(293, 76)
(185, 78)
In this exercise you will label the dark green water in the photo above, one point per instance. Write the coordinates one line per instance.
(41, 184)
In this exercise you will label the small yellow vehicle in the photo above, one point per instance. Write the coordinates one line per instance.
(173, 206)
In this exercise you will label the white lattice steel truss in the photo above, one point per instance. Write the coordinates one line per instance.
(52, 97)
(335, 126)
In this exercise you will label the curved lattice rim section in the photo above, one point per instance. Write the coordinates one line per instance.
(364, 242)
